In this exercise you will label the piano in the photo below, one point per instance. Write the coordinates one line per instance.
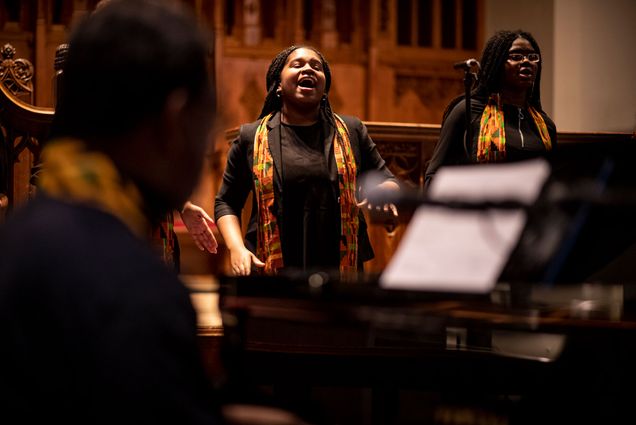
(524, 353)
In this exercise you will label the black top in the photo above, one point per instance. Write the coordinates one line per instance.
(238, 182)
(450, 149)
(310, 238)
(95, 329)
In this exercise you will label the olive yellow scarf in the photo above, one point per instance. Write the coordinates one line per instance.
(72, 173)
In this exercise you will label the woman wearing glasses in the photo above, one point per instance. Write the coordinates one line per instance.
(508, 122)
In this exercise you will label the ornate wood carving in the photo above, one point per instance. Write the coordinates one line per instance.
(328, 28)
(406, 148)
(251, 20)
(403, 158)
(16, 74)
(384, 16)
(22, 128)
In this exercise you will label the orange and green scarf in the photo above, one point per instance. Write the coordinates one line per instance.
(491, 143)
(269, 248)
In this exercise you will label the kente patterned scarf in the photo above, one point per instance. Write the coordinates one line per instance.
(163, 241)
(74, 174)
(491, 143)
(269, 248)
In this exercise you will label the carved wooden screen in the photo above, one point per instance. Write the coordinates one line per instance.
(16, 74)
(23, 127)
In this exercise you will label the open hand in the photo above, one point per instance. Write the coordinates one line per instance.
(199, 225)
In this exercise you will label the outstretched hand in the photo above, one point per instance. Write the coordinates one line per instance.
(199, 225)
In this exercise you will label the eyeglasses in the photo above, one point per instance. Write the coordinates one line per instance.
(518, 57)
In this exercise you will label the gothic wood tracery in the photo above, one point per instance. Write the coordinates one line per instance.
(16, 74)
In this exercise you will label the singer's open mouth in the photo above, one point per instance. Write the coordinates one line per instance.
(526, 72)
(307, 83)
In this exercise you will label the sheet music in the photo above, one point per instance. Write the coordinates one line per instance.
(453, 250)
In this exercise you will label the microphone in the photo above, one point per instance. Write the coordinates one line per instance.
(467, 64)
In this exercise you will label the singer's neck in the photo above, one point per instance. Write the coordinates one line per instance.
(516, 98)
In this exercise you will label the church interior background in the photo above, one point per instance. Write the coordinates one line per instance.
(391, 60)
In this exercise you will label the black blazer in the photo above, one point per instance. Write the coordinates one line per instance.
(238, 179)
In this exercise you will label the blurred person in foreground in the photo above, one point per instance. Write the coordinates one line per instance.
(96, 329)
(162, 234)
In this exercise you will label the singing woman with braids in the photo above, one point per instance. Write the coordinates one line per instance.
(301, 162)
(508, 122)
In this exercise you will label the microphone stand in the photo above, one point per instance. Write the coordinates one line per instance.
(469, 79)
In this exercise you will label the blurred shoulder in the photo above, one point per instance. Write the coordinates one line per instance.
(61, 233)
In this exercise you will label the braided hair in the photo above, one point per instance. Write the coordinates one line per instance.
(272, 80)
(490, 75)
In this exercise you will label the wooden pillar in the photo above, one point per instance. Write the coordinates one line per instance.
(198, 8)
(328, 30)
(298, 10)
(372, 60)
(437, 24)
(80, 9)
(252, 22)
(219, 34)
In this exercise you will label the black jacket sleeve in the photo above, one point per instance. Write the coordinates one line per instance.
(237, 181)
